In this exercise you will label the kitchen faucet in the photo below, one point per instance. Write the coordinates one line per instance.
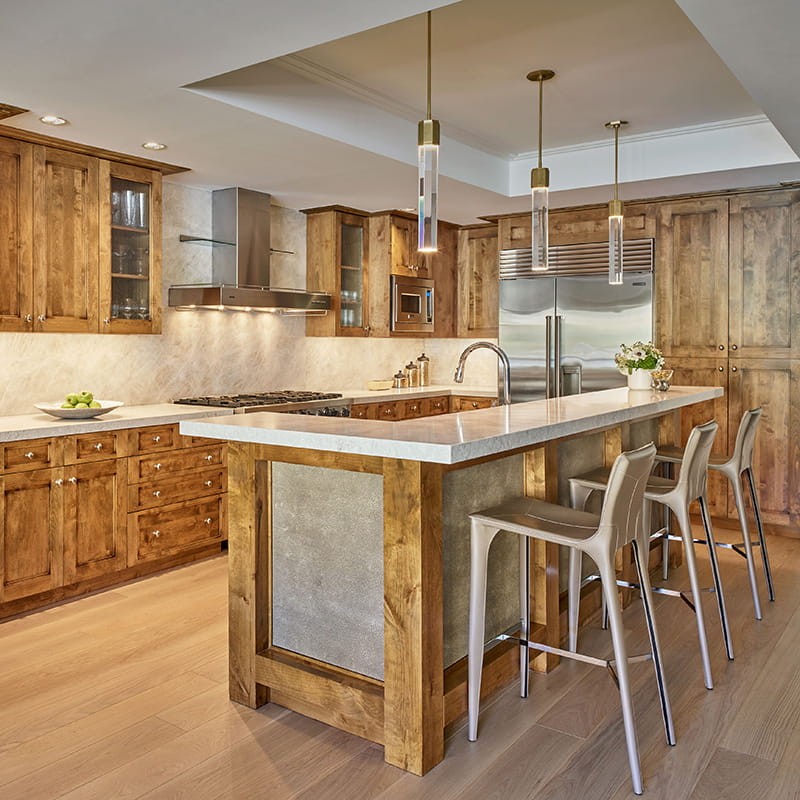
(505, 398)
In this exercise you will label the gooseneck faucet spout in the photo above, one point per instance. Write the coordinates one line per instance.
(505, 396)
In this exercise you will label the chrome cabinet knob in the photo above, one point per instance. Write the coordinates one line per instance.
(721, 369)
(98, 446)
(734, 369)
(209, 457)
(59, 481)
(28, 318)
(41, 317)
(73, 480)
(156, 534)
(734, 347)
(156, 438)
(156, 466)
(474, 405)
(28, 455)
(722, 347)
(208, 520)
(106, 321)
(157, 493)
(208, 483)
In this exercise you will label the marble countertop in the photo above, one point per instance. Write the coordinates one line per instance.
(434, 390)
(452, 438)
(40, 425)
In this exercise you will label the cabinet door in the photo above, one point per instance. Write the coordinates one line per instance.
(706, 372)
(31, 507)
(65, 243)
(16, 235)
(764, 274)
(406, 259)
(773, 385)
(692, 278)
(95, 525)
(353, 287)
(478, 298)
(130, 249)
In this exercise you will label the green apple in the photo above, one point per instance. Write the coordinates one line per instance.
(95, 404)
(85, 397)
(67, 405)
(81, 405)
(71, 399)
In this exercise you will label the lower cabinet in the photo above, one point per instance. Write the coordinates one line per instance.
(394, 410)
(107, 507)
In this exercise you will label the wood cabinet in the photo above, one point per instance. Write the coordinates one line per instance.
(16, 235)
(764, 275)
(31, 550)
(337, 244)
(67, 264)
(471, 403)
(691, 302)
(477, 282)
(395, 410)
(79, 512)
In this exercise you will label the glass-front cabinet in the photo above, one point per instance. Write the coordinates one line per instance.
(352, 274)
(130, 258)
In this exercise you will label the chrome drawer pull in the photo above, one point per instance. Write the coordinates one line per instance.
(157, 493)
(28, 455)
(156, 534)
(156, 466)
(209, 457)
(98, 446)
(208, 520)
(73, 480)
(156, 438)
(208, 483)
(58, 481)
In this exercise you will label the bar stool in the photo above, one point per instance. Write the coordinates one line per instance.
(677, 496)
(732, 468)
(619, 522)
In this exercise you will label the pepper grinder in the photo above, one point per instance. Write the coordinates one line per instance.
(423, 365)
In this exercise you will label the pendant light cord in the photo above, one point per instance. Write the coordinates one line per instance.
(541, 91)
(616, 162)
(429, 67)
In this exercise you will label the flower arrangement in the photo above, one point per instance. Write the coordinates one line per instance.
(640, 355)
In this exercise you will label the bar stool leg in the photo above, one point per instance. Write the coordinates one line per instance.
(574, 596)
(761, 538)
(608, 577)
(682, 516)
(712, 555)
(748, 547)
(481, 538)
(655, 648)
(524, 612)
(669, 470)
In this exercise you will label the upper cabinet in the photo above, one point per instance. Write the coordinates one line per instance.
(337, 245)
(764, 275)
(692, 277)
(477, 282)
(80, 238)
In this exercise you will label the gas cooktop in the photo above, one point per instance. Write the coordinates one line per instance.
(328, 404)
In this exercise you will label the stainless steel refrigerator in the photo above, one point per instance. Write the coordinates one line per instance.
(561, 330)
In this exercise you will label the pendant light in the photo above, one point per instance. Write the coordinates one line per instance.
(428, 141)
(540, 183)
(615, 216)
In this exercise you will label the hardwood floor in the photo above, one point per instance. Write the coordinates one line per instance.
(98, 702)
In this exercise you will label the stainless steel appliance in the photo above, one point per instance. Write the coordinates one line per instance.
(412, 304)
(562, 329)
(240, 223)
(320, 404)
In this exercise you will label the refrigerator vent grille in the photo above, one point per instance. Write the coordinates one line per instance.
(578, 259)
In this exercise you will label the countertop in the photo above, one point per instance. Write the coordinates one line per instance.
(452, 438)
(40, 425)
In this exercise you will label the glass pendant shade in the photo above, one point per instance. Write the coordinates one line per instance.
(615, 225)
(539, 228)
(428, 213)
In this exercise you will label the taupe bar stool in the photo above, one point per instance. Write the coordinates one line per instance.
(732, 468)
(619, 522)
(677, 496)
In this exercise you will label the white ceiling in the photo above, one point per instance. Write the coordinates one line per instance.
(334, 119)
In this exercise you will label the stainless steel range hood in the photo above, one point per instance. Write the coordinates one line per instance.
(241, 262)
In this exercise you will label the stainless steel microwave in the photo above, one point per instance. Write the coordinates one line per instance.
(412, 304)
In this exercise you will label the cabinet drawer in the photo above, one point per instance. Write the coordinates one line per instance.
(196, 441)
(95, 446)
(413, 408)
(145, 468)
(171, 529)
(389, 411)
(31, 454)
(174, 489)
(470, 403)
(364, 411)
(435, 405)
(155, 438)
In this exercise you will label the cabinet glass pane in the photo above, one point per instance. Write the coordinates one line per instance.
(352, 276)
(130, 249)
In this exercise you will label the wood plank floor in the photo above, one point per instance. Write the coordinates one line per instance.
(123, 695)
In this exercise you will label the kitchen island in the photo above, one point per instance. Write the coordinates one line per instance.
(349, 551)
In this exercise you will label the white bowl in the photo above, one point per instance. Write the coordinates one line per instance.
(55, 410)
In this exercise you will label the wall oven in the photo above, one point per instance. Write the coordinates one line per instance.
(412, 304)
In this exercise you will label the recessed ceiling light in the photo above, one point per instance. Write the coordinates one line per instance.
(51, 119)
(154, 146)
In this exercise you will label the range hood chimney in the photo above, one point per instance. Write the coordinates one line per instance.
(240, 273)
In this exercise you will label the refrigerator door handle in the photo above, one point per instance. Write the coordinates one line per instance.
(548, 345)
(557, 357)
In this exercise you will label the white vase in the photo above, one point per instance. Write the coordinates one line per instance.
(639, 380)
